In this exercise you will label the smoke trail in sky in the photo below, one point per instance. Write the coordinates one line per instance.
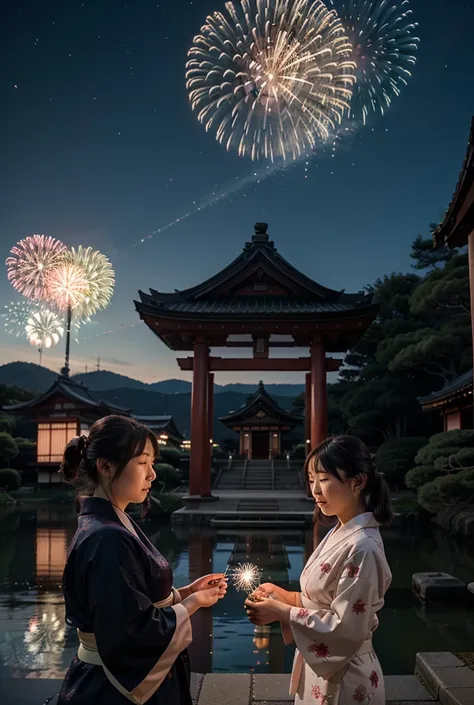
(256, 177)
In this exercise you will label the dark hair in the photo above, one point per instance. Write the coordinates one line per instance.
(351, 455)
(116, 438)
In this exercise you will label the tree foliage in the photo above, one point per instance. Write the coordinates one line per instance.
(8, 448)
(9, 479)
(420, 341)
(396, 456)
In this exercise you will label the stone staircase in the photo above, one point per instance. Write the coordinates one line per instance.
(231, 478)
(286, 475)
(259, 476)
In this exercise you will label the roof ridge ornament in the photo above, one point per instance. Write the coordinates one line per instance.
(260, 237)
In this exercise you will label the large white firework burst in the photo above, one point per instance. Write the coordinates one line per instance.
(31, 261)
(99, 276)
(382, 33)
(44, 329)
(271, 78)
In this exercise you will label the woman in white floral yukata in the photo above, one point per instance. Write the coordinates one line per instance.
(343, 583)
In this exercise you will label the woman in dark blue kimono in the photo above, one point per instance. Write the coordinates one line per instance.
(133, 625)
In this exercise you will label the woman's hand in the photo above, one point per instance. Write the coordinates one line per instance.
(209, 596)
(279, 593)
(207, 582)
(266, 611)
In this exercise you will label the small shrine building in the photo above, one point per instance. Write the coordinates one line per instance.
(260, 423)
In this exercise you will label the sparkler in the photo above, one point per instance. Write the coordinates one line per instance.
(246, 577)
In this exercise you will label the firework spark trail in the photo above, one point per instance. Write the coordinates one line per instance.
(112, 330)
(229, 190)
(256, 177)
(271, 79)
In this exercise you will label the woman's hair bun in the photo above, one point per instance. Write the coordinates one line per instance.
(73, 458)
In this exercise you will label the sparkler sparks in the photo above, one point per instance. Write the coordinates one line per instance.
(246, 577)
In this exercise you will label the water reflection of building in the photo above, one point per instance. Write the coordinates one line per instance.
(53, 537)
(266, 549)
(200, 563)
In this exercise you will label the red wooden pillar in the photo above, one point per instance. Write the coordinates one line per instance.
(470, 246)
(319, 413)
(307, 420)
(199, 422)
(206, 470)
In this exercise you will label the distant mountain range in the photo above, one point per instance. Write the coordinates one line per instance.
(171, 396)
(34, 378)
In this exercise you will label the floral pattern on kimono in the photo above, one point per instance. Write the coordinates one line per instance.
(342, 589)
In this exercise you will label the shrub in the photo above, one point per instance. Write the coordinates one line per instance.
(26, 457)
(6, 423)
(10, 479)
(444, 444)
(396, 456)
(8, 447)
(446, 490)
(420, 475)
(168, 474)
(464, 458)
(170, 456)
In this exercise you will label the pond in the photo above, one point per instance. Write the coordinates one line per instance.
(34, 642)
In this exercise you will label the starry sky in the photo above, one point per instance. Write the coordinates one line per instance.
(100, 147)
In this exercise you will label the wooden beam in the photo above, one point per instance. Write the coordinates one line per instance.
(249, 344)
(222, 364)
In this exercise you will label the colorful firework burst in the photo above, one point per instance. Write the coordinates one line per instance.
(382, 34)
(16, 315)
(100, 280)
(44, 329)
(66, 286)
(31, 261)
(270, 78)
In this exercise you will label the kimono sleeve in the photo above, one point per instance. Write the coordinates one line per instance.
(328, 641)
(137, 642)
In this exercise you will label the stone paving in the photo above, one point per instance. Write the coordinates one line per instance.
(441, 679)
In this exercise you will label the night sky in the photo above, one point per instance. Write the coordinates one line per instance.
(100, 147)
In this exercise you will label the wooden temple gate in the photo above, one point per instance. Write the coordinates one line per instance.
(261, 297)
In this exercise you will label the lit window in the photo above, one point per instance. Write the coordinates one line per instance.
(53, 438)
